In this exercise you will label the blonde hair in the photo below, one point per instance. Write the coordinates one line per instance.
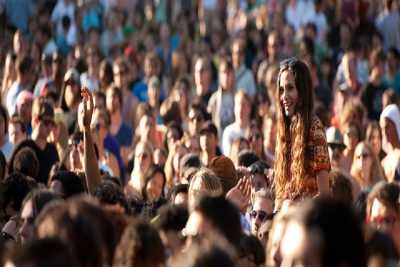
(203, 183)
(376, 173)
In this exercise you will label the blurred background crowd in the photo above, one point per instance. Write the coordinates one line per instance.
(164, 111)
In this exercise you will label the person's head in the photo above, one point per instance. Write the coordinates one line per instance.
(93, 56)
(341, 187)
(224, 169)
(202, 75)
(207, 216)
(238, 52)
(389, 97)
(71, 90)
(242, 106)
(252, 252)
(383, 210)
(211, 251)
(32, 205)
(26, 162)
(173, 134)
(154, 91)
(16, 130)
(23, 68)
(327, 234)
(203, 183)
(151, 67)
(336, 146)
(121, 72)
(247, 157)
(373, 137)
(143, 157)
(20, 43)
(110, 193)
(366, 167)
(172, 219)
(42, 118)
(24, 106)
(196, 117)
(256, 139)
(273, 44)
(258, 174)
(208, 137)
(154, 183)
(140, 245)
(147, 126)
(47, 252)
(226, 75)
(114, 99)
(66, 184)
(351, 136)
(377, 61)
(381, 250)
(100, 124)
(106, 74)
(178, 195)
(390, 125)
(261, 210)
(3, 123)
(14, 189)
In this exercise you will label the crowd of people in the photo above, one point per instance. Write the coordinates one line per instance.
(199, 133)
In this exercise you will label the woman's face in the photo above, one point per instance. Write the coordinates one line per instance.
(363, 158)
(258, 182)
(288, 93)
(376, 141)
(154, 187)
(142, 158)
(350, 137)
(71, 91)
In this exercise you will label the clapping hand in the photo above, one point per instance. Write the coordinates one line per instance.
(240, 194)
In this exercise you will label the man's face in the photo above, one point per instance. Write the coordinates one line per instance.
(261, 212)
(242, 109)
(335, 154)
(195, 121)
(120, 76)
(202, 75)
(385, 219)
(226, 78)
(15, 133)
(25, 110)
(208, 141)
(27, 219)
(45, 125)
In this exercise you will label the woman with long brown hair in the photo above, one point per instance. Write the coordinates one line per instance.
(301, 158)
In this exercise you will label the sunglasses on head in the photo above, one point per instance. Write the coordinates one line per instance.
(261, 215)
(290, 62)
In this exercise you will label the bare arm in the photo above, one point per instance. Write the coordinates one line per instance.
(90, 165)
(323, 182)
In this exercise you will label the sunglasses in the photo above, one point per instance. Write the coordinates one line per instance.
(261, 215)
(364, 156)
(290, 62)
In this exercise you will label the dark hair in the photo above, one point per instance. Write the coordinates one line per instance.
(339, 229)
(72, 184)
(177, 189)
(251, 246)
(39, 199)
(23, 64)
(380, 244)
(341, 187)
(110, 193)
(223, 215)
(46, 252)
(172, 218)
(387, 193)
(14, 189)
(140, 245)
(247, 157)
(117, 92)
(3, 166)
(26, 162)
(153, 170)
(360, 206)
(4, 114)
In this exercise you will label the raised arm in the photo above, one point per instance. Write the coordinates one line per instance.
(90, 164)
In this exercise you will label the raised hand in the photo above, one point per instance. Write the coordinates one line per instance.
(85, 111)
(240, 194)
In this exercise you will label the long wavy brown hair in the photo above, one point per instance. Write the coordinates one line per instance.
(291, 158)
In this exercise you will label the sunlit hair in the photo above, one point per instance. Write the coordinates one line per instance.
(376, 173)
(293, 130)
(353, 113)
(203, 183)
